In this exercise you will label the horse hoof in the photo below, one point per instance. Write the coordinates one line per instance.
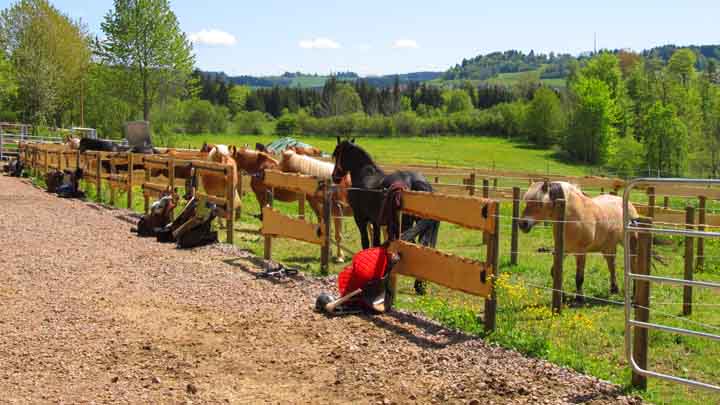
(339, 260)
(579, 301)
(419, 287)
(614, 290)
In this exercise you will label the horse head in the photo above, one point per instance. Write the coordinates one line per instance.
(343, 155)
(540, 202)
(252, 161)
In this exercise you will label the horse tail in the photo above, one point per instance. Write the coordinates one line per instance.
(426, 229)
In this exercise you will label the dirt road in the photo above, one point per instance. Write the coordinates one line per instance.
(89, 312)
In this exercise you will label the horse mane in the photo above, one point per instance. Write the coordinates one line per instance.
(363, 153)
(535, 191)
(248, 157)
(297, 163)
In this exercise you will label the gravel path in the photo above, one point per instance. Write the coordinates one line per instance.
(89, 312)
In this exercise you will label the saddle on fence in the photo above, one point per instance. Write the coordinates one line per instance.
(53, 180)
(159, 216)
(166, 233)
(193, 227)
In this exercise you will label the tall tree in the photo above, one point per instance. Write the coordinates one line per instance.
(544, 119)
(50, 54)
(144, 37)
(592, 121)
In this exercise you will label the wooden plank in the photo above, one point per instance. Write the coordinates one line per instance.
(220, 201)
(278, 225)
(711, 193)
(450, 271)
(469, 212)
(308, 185)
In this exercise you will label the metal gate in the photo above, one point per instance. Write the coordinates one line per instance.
(630, 277)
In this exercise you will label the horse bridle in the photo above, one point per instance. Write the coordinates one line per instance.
(341, 172)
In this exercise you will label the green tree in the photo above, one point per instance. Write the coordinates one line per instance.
(666, 141)
(544, 119)
(340, 99)
(237, 98)
(682, 65)
(457, 101)
(592, 121)
(144, 37)
(50, 54)
(8, 84)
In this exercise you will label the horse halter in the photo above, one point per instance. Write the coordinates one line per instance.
(338, 171)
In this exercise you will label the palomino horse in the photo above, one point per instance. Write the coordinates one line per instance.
(214, 183)
(367, 194)
(255, 162)
(594, 224)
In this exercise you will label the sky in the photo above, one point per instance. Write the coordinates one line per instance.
(375, 37)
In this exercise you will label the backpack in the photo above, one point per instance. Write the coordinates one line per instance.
(70, 187)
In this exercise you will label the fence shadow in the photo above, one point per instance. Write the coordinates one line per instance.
(404, 325)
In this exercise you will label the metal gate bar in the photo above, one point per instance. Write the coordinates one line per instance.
(630, 277)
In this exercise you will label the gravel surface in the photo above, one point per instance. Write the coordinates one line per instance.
(91, 313)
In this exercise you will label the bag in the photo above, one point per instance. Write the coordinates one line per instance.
(53, 180)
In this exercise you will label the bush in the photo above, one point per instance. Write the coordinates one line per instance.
(287, 125)
(544, 118)
(251, 122)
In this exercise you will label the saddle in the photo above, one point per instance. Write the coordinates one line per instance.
(53, 180)
(70, 184)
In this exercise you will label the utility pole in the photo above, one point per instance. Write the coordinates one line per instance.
(594, 43)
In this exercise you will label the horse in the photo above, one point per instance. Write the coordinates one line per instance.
(594, 224)
(214, 183)
(367, 195)
(292, 162)
(71, 142)
(255, 162)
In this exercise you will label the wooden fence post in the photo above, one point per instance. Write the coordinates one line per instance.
(230, 200)
(651, 202)
(131, 170)
(515, 228)
(485, 194)
(46, 162)
(171, 181)
(147, 180)
(689, 248)
(642, 301)
(666, 202)
(111, 184)
(558, 255)
(471, 184)
(98, 179)
(268, 238)
(493, 252)
(326, 213)
(301, 205)
(702, 212)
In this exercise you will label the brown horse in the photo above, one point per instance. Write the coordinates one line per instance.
(214, 183)
(255, 162)
(594, 224)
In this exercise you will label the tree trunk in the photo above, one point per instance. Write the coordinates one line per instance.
(146, 100)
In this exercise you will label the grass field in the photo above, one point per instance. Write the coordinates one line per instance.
(589, 338)
(481, 152)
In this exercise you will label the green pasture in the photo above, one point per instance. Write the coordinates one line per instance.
(460, 151)
(588, 339)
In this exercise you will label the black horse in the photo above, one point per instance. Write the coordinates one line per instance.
(367, 195)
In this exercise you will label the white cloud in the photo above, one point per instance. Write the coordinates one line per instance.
(319, 43)
(405, 44)
(213, 37)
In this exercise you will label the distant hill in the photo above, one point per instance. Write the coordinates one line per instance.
(504, 67)
(303, 80)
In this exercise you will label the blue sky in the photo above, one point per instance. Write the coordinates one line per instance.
(395, 36)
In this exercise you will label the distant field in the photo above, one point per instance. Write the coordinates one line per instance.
(480, 152)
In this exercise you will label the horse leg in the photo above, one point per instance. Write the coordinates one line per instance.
(610, 259)
(376, 235)
(362, 227)
(579, 278)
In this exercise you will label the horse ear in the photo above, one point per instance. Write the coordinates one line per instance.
(352, 140)
(204, 147)
(556, 192)
(338, 140)
(233, 150)
(545, 186)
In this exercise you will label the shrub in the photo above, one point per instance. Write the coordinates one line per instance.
(251, 122)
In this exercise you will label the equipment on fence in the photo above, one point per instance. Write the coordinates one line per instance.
(159, 216)
(71, 184)
(167, 233)
(53, 180)
(363, 285)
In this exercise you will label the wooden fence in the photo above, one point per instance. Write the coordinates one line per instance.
(275, 224)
